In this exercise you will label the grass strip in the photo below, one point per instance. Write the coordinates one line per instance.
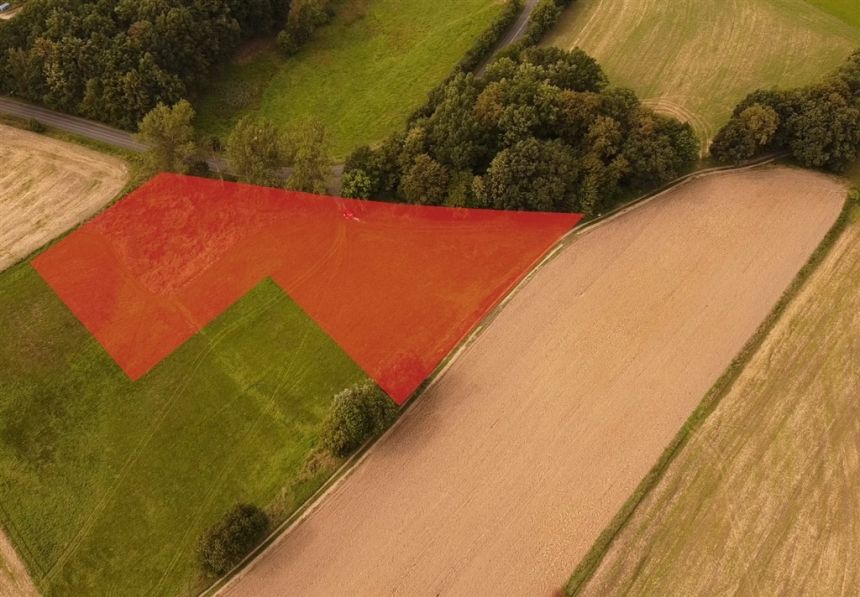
(590, 562)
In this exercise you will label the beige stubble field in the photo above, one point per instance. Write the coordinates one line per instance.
(763, 499)
(499, 479)
(48, 186)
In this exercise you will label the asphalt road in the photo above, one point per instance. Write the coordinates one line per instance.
(71, 124)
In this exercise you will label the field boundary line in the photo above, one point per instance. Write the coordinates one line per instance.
(282, 530)
(589, 564)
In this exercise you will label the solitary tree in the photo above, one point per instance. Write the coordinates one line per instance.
(356, 415)
(169, 133)
(255, 151)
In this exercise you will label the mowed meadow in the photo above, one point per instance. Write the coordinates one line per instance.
(107, 484)
(696, 59)
(762, 500)
(361, 75)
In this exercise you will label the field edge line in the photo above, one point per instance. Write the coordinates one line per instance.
(589, 564)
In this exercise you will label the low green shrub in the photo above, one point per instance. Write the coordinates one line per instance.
(231, 539)
(357, 414)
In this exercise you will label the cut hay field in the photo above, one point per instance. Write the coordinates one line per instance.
(499, 479)
(695, 59)
(763, 498)
(362, 75)
(47, 187)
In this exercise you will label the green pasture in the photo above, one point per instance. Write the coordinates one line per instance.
(361, 75)
(105, 484)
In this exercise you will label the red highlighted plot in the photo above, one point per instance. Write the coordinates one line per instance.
(396, 286)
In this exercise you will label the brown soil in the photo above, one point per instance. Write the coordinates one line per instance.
(502, 475)
(763, 500)
(47, 187)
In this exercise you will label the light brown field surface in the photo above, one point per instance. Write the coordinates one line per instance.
(47, 187)
(499, 479)
(764, 498)
(696, 59)
(14, 578)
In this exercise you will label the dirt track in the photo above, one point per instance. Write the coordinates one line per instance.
(500, 478)
(48, 186)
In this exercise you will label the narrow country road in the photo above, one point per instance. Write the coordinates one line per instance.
(71, 124)
(514, 34)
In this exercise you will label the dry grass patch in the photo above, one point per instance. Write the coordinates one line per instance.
(47, 187)
(695, 59)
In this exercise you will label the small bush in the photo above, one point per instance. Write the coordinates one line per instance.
(35, 126)
(225, 544)
(356, 415)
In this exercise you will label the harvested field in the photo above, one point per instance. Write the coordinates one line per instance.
(695, 59)
(48, 186)
(500, 478)
(763, 499)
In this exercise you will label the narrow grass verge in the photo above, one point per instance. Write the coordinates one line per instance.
(589, 564)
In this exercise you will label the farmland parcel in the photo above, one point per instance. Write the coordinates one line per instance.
(500, 478)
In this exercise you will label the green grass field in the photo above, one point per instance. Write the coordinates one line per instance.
(362, 75)
(762, 499)
(106, 485)
(847, 10)
(696, 59)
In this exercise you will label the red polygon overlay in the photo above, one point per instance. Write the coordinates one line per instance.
(396, 286)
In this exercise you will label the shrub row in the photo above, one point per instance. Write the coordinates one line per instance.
(818, 124)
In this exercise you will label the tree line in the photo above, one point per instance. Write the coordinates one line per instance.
(257, 152)
(114, 61)
(818, 124)
(540, 130)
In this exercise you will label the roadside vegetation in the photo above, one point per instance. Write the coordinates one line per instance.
(819, 124)
(539, 130)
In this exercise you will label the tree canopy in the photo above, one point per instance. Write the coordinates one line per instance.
(116, 60)
(539, 131)
(818, 124)
(169, 132)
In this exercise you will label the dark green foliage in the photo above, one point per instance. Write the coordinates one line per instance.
(169, 133)
(491, 36)
(304, 17)
(658, 149)
(752, 129)
(225, 544)
(357, 414)
(819, 125)
(256, 151)
(356, 184)
(538, 175)
(538, 131)
(114, 61)
(425, 181)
